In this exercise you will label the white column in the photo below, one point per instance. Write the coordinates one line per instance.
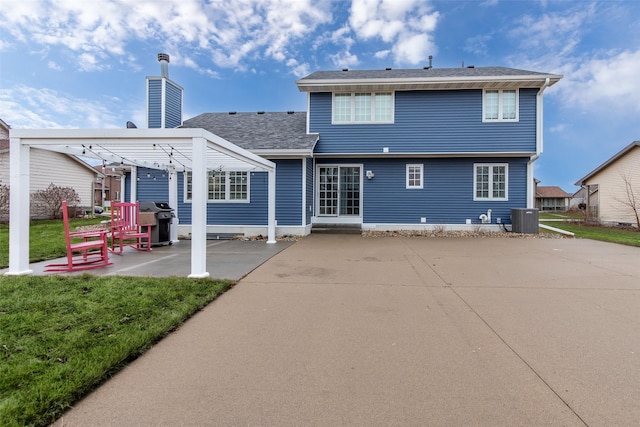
(123, 186)
(271, 216)
(134, 184)
(173, 202)
(19, 213)
(199, 210)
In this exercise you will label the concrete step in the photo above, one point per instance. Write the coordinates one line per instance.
(336, 229)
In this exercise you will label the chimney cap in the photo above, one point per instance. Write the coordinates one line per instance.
(163, 57)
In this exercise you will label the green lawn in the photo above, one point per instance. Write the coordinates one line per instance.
(561, 215)
(46, 239)
(62, 336)
(598, 232)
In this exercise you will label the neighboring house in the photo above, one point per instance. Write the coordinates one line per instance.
(552, 198)
(51, 167)
(108, 186)
(613, 185)
(383, 149)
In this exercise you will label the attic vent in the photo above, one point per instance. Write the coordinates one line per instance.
(345, 69)
(232, 112)
(289, 112)
(260, 112)
(471, 66)
(388, 69)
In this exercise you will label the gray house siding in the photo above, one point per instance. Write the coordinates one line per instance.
(446, 196)
(428, 122)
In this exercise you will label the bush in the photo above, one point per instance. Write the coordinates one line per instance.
(4, 202)
(53, 196)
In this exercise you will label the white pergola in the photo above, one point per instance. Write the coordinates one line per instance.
(170, 150)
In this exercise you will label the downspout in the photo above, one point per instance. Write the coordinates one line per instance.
(531, 196)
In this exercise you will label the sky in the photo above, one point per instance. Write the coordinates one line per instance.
(82, 64)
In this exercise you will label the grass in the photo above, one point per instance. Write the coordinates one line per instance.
(625, 236)
(578, 215)
(62, 336)
(46, 239)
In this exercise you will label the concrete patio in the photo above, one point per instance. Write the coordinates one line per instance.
(345, 330)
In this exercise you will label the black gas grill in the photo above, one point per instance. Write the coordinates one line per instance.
(161, 228)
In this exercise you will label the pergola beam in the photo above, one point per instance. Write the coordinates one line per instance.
(198, 149)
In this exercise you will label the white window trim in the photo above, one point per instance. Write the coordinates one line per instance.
(414, 187)
(373, 109)
(506, 182)
(226, 189)
(500, 110)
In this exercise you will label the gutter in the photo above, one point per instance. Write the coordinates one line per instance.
(531, 197)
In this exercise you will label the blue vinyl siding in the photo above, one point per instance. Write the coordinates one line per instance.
(154, 112)
(428, 122)
(288, 199)
(173, 106)
(447, 196)
(288, 192)
(309, 190)
(153, 185)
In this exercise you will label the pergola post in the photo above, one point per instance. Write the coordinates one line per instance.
(19, 213)
(271, 207)
(199, 209)
(173, 202)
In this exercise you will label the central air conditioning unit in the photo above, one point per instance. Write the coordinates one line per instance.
(524, 221)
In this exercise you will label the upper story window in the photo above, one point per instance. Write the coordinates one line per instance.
(221, 186)
(363, 107)
(414, 176)
(490, 181)
(500, 106)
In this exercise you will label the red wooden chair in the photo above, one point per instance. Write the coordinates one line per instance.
(85, 249)
(127, 229)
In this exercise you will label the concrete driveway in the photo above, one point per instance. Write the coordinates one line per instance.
(345, 330)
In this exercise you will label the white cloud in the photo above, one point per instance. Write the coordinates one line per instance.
(345, 59)
(381, 54)
(53, 66)
(407, 25)
(234, 31)
(29, 107)
(607, 83)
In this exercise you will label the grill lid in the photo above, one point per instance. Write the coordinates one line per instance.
(151, 206)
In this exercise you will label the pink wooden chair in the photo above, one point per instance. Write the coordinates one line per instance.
(85, 249)
(127, 229)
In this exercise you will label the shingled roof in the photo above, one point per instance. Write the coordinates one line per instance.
(419, 73)
(425, 79)
(551, 192)
(259, 132)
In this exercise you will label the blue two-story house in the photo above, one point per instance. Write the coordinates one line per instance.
(383, 149)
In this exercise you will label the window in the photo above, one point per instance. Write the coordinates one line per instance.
(490, 181)
(500, 105)
(363, 107)
(414, 176)
(221, 186)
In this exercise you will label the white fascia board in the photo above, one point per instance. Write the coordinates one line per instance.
(309, 85)
(424, 155)
(285, 153)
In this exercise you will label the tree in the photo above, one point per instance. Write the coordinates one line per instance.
(632, 197)
(53, 196)
(4, 200)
